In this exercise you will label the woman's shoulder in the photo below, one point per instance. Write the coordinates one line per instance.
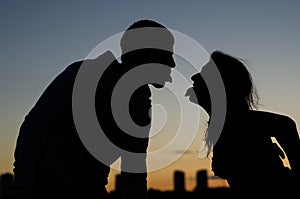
(272, 117)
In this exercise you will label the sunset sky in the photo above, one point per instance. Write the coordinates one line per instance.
(40, 38)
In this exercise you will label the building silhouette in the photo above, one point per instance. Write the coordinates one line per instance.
(201, 190)
(179, 181)
(118, 183)
(202, 181)
(6, 182)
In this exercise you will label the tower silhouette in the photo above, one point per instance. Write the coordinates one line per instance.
(179, 183)
(6, 181)
(202, 183)
(118, 183)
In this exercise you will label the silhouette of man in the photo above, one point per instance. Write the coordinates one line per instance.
(50, 158)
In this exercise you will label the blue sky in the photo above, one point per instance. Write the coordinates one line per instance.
(40, 38)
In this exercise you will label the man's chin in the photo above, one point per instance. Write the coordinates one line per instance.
(158, 86)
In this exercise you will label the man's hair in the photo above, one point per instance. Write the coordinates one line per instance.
(145, 23)
(133, 40)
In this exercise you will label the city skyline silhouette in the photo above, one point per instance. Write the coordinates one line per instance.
(179, 179)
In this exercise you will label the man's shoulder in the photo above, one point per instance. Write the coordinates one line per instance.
(107, 58)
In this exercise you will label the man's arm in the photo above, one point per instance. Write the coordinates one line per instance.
(27, 154)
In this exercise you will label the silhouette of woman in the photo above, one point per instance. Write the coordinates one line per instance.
(245, 154)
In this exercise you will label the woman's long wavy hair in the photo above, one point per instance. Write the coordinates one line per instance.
(240, 91)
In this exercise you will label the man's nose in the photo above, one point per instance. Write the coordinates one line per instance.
(172, 63)
(170, 79)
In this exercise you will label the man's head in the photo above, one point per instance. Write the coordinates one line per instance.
(148, 42)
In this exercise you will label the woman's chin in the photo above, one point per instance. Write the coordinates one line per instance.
(190, 94)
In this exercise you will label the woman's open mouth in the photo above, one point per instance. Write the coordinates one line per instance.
(190, 93)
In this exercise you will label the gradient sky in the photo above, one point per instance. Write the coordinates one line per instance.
(40, 38)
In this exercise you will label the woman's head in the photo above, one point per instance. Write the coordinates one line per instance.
(237, 80)
(240, 91)
(199, 93)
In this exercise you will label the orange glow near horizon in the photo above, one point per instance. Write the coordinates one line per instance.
(163, 181)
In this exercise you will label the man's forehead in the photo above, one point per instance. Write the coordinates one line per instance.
(158, 38)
